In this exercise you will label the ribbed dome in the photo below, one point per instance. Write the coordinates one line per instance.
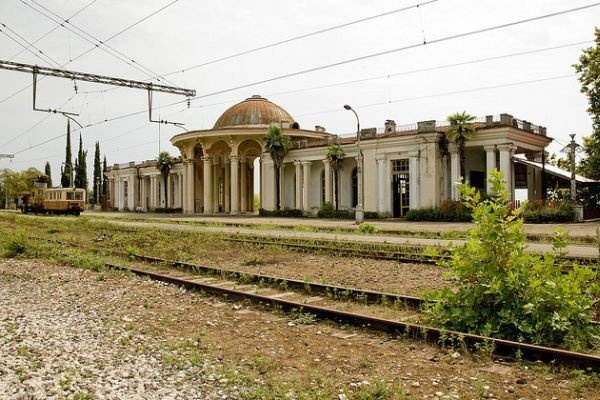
(255, 111)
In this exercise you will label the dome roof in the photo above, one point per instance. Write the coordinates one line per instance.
(255, 111)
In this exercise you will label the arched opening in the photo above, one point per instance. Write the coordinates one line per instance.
(249, 152)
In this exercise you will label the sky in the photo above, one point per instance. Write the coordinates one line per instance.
(407, 63)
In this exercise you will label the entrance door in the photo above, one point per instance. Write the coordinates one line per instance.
(400, 188)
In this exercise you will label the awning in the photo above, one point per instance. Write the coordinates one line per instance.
(554, 170)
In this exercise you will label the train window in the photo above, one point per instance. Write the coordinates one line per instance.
(78, 196)
(70, 195)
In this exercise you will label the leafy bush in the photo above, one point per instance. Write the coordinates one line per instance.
(328, 211)
(505, 293)
(538, 212)
(15, 246)
(450, 211)
(372, 215)
(280, 213)
(366, 229)
(163, 210)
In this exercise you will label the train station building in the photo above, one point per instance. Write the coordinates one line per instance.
(405, 167)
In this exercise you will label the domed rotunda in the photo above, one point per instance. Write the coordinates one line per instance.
(218, 163)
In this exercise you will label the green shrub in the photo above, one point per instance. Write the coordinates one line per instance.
(365, 228)
(540, 212)
(505, 293)
(163, 210)
(328, 211)
(16, 245)
(294, 213)
(372, 215)
(449, 211)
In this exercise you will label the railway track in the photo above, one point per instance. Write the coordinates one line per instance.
(402, 253)
(306, 298)
(277, 300)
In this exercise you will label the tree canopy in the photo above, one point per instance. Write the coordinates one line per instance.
(462, 127)
(277, 145)
(335, 155)
(588, 70)
(164, 163)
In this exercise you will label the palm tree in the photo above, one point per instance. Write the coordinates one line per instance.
(461, 128)
(335, 155)
(277, 144)
(164, 163)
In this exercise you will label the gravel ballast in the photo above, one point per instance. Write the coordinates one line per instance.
(62, 336)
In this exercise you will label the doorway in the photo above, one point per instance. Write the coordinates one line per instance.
(400, 187)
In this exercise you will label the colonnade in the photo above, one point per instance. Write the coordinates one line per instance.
(224, 185)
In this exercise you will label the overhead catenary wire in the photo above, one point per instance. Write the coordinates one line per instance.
(324, 111)
(303, 36)
(399, 49)
(101, 44)
(39, 53)
(58, 25)
(96, 46)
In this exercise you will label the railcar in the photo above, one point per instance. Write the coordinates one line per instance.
(42, 200)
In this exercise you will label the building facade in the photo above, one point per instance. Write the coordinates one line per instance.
(404, 167)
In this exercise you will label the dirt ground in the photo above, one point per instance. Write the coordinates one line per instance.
(278, 358)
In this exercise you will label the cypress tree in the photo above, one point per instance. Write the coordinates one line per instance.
(48, 173)
(81, 180)
(104, 178)
(67, 173)
(97, 182)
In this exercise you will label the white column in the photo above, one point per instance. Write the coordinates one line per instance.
(215, 184)
(250, 187)
(227, 186)
(151, 194)
(490, 164)
(234, 166)
(328, 196)
(169, 198)
(381, 185)
(181, 189)
(184, 188)
(268, 194)
(506, 154)
(298, 199)
(207, 185)
(414, 180)
(243, 184)
(143, 193)
(190, 188)
(118, 203)
(454, 171)
(306, 186)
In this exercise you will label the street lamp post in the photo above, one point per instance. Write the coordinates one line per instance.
(360, 212)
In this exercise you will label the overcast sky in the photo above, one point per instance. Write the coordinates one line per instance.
(417, 82)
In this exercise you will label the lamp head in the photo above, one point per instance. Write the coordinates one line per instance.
(347, 107)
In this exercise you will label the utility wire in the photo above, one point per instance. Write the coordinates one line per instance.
(58, 25)
(398, 49)
(292, 39)
(442, 94)
(409, 72)
(440, 40)
(303, 36)
(94, 40)
(325, 111)
(96, 46)
(39, 54)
